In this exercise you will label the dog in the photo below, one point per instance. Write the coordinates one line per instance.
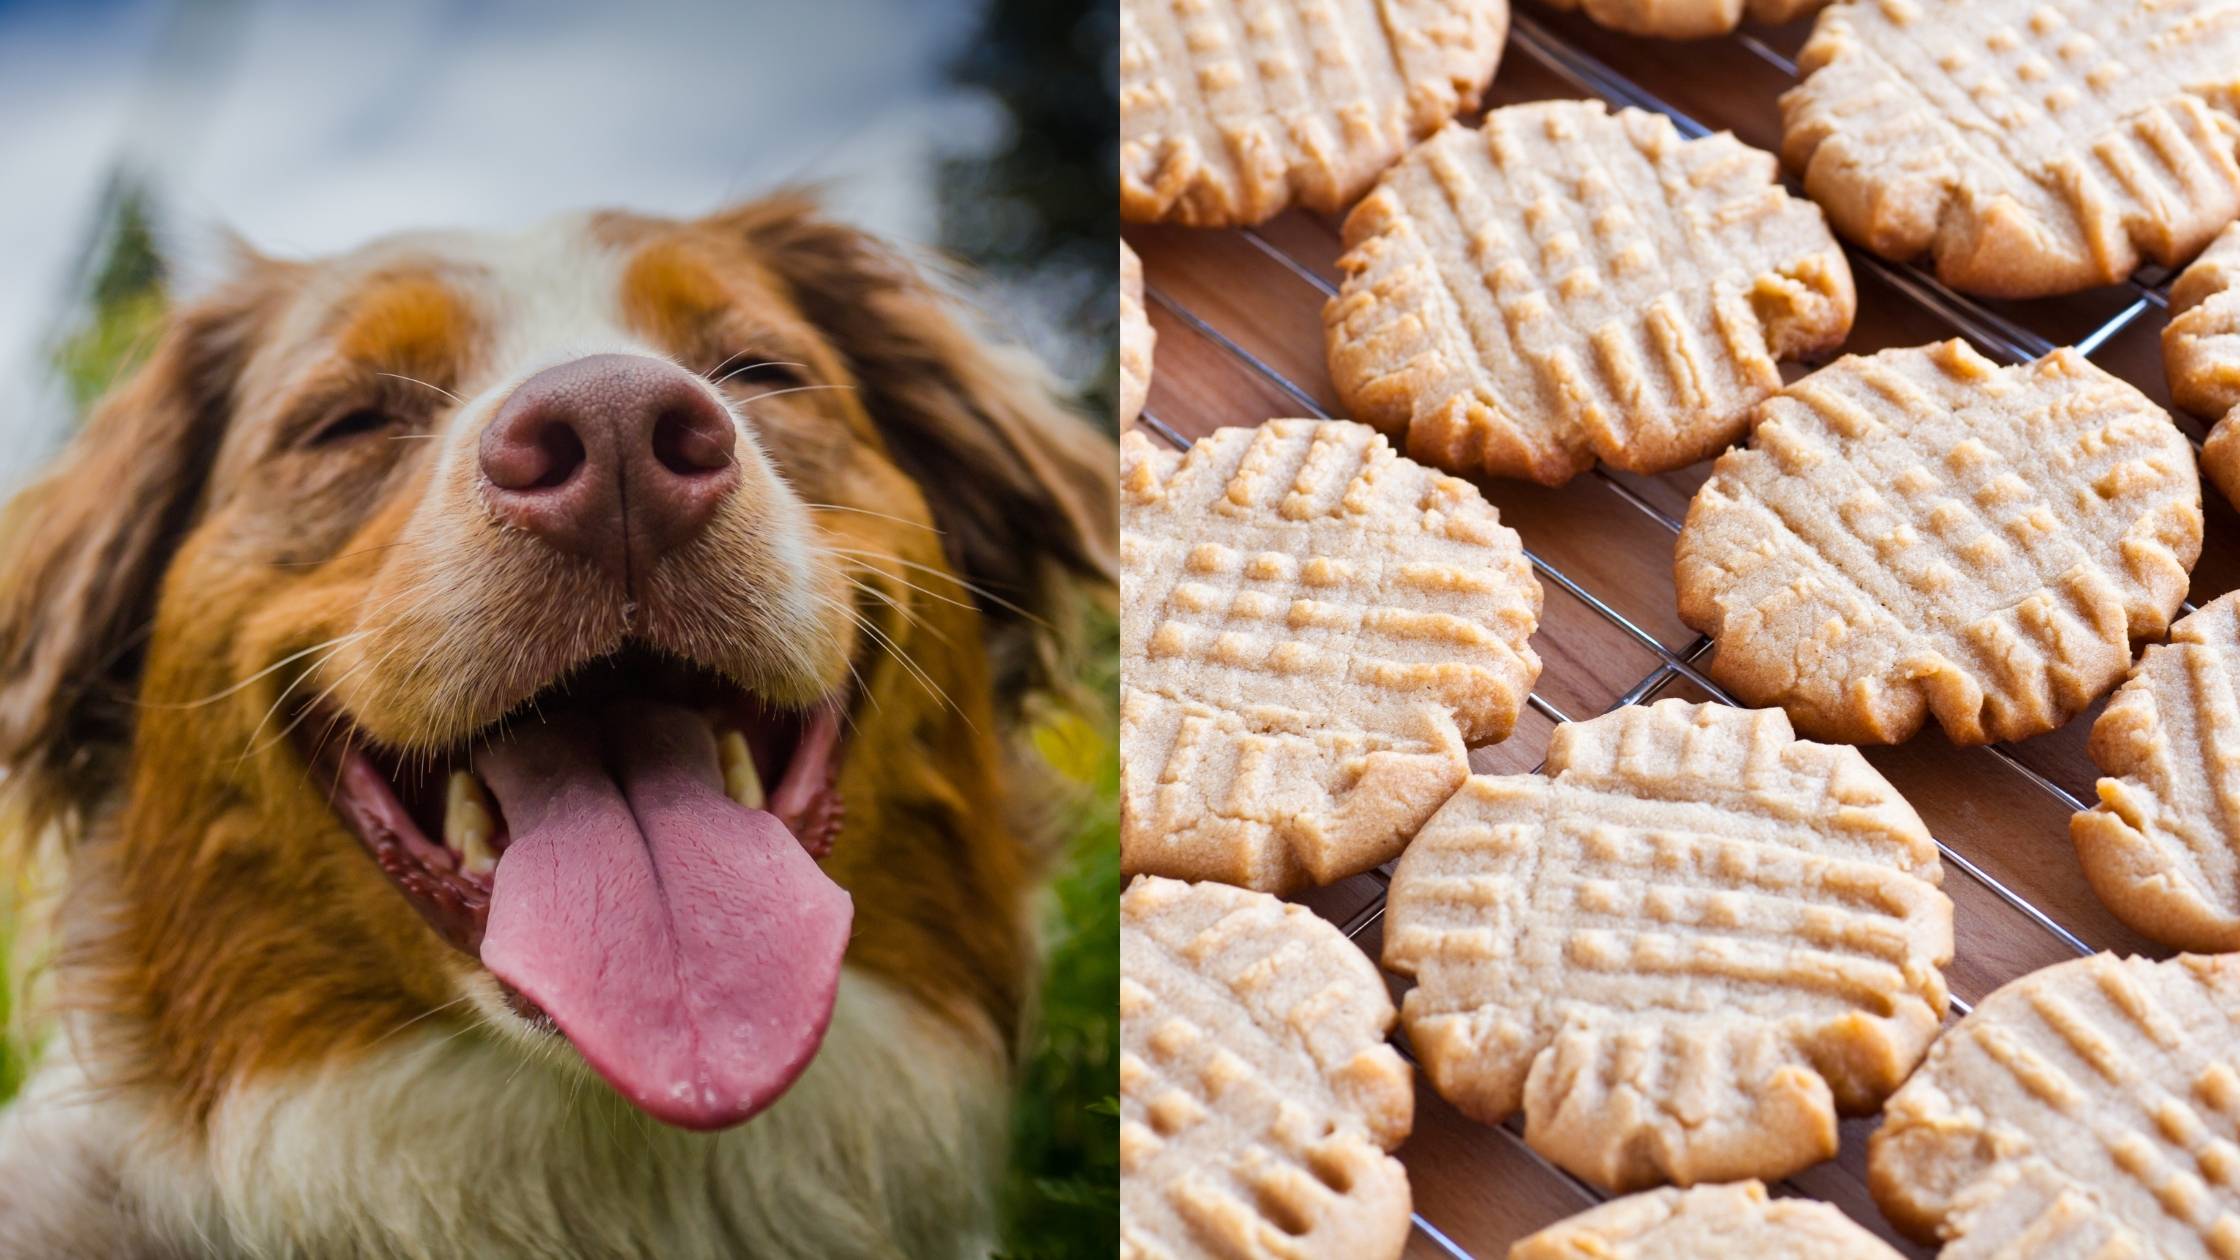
(518, 734)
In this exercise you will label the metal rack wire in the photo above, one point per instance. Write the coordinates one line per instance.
(1995, 333)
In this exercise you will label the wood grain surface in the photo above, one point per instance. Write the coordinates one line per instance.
(1238, 314)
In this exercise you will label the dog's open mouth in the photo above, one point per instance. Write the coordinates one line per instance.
(633, 852)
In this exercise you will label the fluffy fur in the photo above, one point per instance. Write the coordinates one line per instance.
(264, 1052)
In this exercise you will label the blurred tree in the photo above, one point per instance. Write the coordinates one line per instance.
(123, 300)
(1041, 215)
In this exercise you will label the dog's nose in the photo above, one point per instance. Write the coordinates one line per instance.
(617, 457)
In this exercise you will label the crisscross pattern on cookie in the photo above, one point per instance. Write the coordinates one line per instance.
(1733, 1222)
(1686, 19)
(1231, 110)
(2087, 1109)
(1564, 284)
(1920, 531)
(1681, 953)
(1257, 1094)
(2033, 146)
(1313, 631)
(2162, 848)
(2201, 352)
(1136, 338)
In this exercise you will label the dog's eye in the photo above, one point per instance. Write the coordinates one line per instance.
(350, 424)
(760, 374)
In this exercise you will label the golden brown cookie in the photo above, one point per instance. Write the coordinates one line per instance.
(2030, 147)
(1233, 110)
(1257, 1094)
(2089, 1109)
(2162, 848)
(1682, 952)
(1686, 19)
(1922, 532)
(1731, 1222)
(1313, 631)
(1564, 284)
(1136, 338)
(2201, 352)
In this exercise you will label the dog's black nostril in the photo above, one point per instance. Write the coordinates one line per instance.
(684, 444)
(562, 449)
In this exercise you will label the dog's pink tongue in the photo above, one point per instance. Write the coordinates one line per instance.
(688, 946)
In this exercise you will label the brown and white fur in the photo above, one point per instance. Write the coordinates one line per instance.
(259, 1048)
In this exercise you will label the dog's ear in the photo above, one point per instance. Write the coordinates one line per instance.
(83, 548)
(1025, 491)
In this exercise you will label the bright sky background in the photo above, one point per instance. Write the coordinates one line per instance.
(309, 127)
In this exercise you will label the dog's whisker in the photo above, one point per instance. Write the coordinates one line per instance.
(761, 363)
(899, 520)
(414, 380)
(251, 680)
(828, 602)
(297, 720)
(431, 1011)
(910, 666)
(790, 389)
(907, 583)
(711, 372)
(249, 748)
(946, 576)
(908, 614)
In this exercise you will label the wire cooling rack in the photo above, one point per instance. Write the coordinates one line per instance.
(1238, 315)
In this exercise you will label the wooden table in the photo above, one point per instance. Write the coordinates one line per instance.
(1239, 319)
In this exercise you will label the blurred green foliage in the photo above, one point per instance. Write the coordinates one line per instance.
(124, 301)
(1062, 1198)
(12, 1058)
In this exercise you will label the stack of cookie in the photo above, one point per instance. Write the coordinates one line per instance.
(1694, 939)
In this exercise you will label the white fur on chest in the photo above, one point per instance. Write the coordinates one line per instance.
(451, 1144)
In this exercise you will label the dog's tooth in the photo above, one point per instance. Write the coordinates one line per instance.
(741, 781)
(467, 824)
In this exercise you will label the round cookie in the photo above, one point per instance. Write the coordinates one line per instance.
(1686, 19)
(1313, 632)
(1563, 284)
(1232, 111)
(2086, 1109)
(1136, 338)
(1921, 531)
(1682, 953)
(2031, 147)
(2201, 353)
(1731, 1222)
(1257, 1094)
(2162, 848)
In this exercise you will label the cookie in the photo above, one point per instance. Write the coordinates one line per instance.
(1681, 953)
(2030, 147)
(2162, 848)
(1136, 338)
(2201, 351)
(1257, 1094)
(1313, 632)
(1233, 110)
(1686, 19)
(1730, 1222)
(1921, 531)
(1564, 284)
(2087, 1109)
